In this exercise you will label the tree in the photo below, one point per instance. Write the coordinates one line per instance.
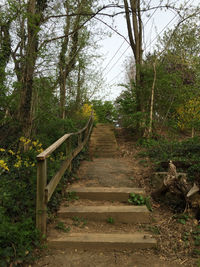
(135, 37)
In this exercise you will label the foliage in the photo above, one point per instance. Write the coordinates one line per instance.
(18, 235)
(186, 151)
(136, 199)
(87, 110)
(110, 220)
(61, 226)
(17, 213)
(79, 222)
(164, 150)
(139, 200)
(106, 112)
(176, 87)
(188, 115)
(72, 196)
(181, 218)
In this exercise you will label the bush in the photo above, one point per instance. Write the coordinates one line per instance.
(18, 235)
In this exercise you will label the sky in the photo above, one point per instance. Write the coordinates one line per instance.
(116, 50)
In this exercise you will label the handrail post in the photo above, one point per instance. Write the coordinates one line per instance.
(41, 205)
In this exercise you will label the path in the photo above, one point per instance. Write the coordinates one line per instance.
(103, 229)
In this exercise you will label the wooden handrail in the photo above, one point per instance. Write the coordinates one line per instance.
(44, 190)
(52, 147)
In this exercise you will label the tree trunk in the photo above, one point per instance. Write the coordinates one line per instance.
(152, 101)
(135, 38)
(25, 116)
(34, 10)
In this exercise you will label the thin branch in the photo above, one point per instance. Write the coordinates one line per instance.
(112, 29)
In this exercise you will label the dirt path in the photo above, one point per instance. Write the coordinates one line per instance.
(126, 169)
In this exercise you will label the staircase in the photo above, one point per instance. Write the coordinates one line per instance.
(101, 218)
(103, 142)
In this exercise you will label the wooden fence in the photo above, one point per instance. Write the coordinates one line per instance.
(44, 190)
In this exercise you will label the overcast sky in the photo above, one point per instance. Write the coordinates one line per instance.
(116, 50)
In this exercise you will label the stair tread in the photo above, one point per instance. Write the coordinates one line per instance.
(106, 189)
(97, 240)
(103, 209)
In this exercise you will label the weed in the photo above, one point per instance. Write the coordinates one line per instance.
(79, 222)
(185, 236)
(181, 218)
(61, 226)
(143, 162)
(131, 178)
(110, 220)
(196, 236)
(198, 263)
(154, 229)
(196, 252)
(139, 200)
(136, 199)
(72, 196)
(76, 178)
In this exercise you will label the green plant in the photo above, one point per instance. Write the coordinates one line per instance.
(185, 236)
(181, 218)
(196, 252)
(154, 229)
(80, 222)
(136, 199)
(110, 220)
(139, 200)
(72, 196)
(198, 263)
(18, 235)
(61, 226)
(196, 236)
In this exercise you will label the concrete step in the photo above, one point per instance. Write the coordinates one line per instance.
(103, 151)
(104, 144)
(125, 214)
(112, 147)
(102, 140)
(105, 193)
(101, 241)
(103, 155)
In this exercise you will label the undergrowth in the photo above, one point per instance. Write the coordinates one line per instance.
(18, 235)
(186, 152)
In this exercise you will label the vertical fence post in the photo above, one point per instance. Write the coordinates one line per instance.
(41, 205)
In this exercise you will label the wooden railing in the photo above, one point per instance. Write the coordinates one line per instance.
(44, 190)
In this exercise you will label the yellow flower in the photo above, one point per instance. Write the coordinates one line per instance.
(27, 141)
(40, 150)
(30, 147)
(35, 143)
(33, 164)
(11, 152)
(18, 164)
(3, 165)
(22, 139)
(40, 145)
(26, 163)
(2, 149)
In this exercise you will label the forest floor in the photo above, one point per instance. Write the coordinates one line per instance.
(175, 235)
